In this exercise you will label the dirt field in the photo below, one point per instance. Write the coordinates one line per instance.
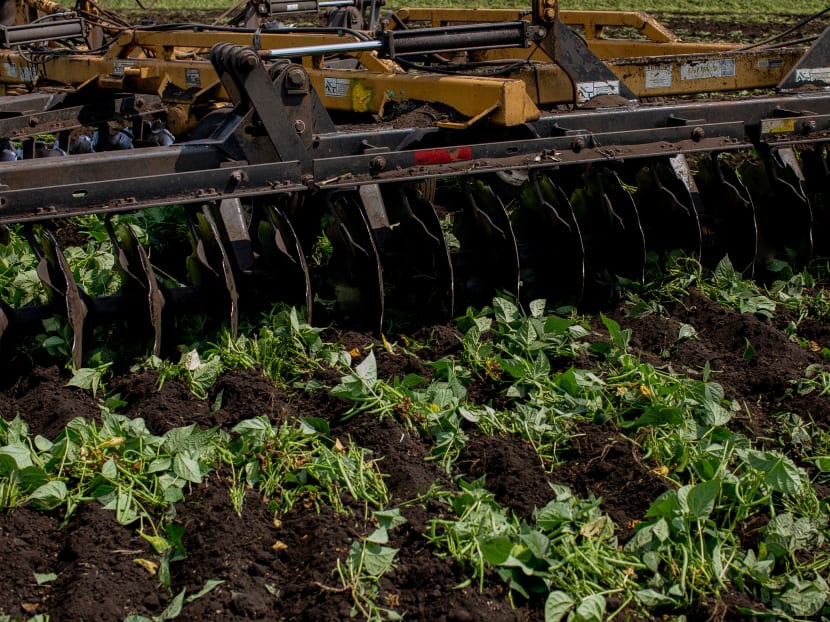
(93, 556)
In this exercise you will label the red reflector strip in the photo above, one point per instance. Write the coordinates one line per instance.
(442, 156)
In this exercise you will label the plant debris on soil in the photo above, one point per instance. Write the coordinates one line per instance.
(268, 565)
(93, 557)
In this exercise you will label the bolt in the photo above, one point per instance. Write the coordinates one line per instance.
(299, 126)
(139, 103)
(808, 126)
(33, 122)
(308, 180)
(247, 60)
(577, 145)
(698, 134)
(296, 78)
(377, 164)
(237, 176)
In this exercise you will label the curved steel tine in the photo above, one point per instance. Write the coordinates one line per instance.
(729, 213)
(489, 259)
(204, 269)
(63, 283)
(288, 254)
(212, 257)
(354, 270)
(134, 261)
(784, 233)
(551, 249)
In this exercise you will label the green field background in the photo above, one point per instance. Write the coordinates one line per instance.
(758, 10)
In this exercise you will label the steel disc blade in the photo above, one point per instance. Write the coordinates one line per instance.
(352, 274)
(417, 271)
(728, 219)
(487, 260)
(775, 182)
(612, 233)
(667, 207)
(551, 251)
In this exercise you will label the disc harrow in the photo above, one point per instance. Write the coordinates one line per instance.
(576, 173)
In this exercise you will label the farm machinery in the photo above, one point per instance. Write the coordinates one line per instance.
(384, 167)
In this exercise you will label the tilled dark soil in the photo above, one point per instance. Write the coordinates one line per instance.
(93, 556)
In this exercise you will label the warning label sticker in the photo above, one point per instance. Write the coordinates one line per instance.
(336, 87)
(722, 68)
(587, 90)
(813, 74)
(658, 76)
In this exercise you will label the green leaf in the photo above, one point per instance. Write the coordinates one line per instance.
(389, 518)
(619, 337)
(655, 416)
(701, 499)
(749, 351)
(590, 609)
(804, 598)
(537, 307)
(187, 468)
(86, 378)
(496, 550)
(652, 598)
(724, 272)
(20, 455)
(377, 559)
(557, 606)
(780, 473)
(541, 366)
(556, 325)
(367, 369)
(504, 310)
(45, 577)
(49, 495)
(174, 609)
(209, 586)
(687, 331)
(188, 438)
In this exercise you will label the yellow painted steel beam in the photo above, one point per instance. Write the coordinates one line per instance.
(500, 101)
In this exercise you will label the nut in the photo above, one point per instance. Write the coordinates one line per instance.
(377, 164)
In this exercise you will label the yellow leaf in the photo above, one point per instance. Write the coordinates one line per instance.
(115, 441)
(279, 545)
(389, 347)
(149, 566)
(354, 352)
(339, 446)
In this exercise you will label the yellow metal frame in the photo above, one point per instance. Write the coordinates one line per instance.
(174, 66)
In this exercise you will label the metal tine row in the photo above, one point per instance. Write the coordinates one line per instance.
(565, 235)
(397, 255)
